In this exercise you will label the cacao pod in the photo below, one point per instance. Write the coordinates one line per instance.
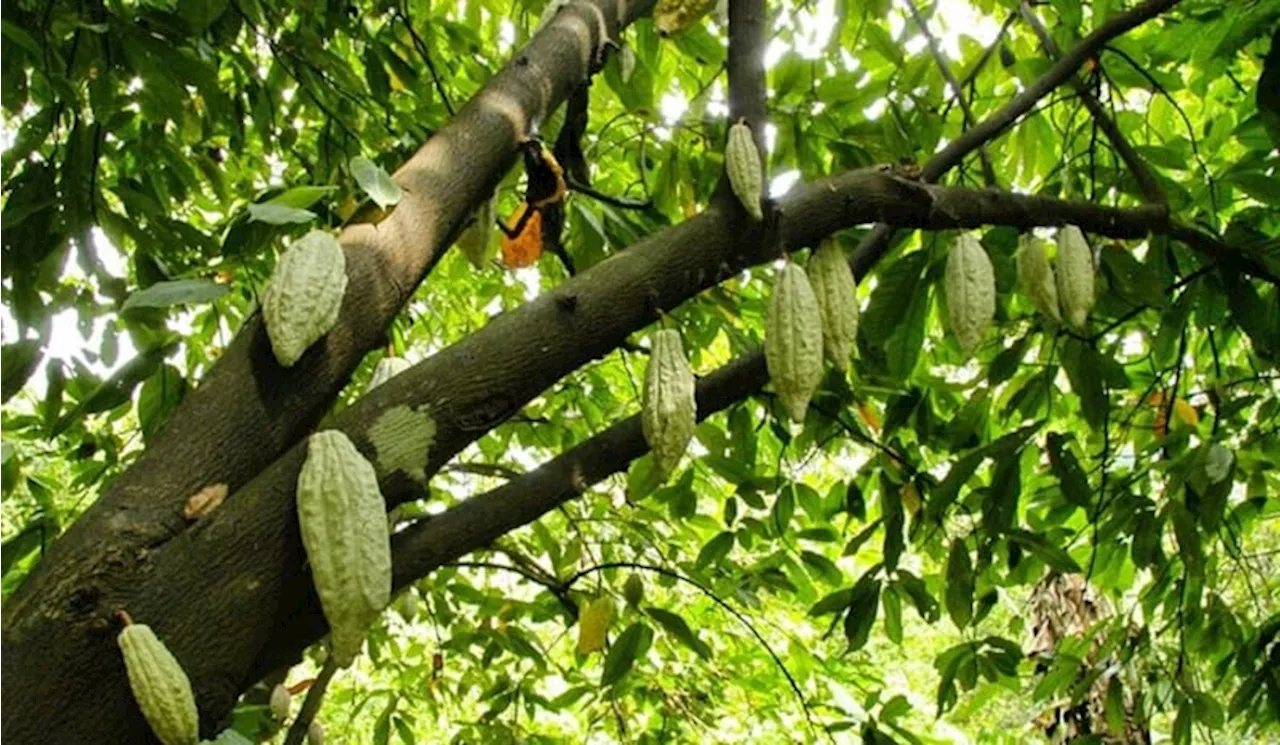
(834, 286)
(315, 733)
(594, 623)
(477, 241)
(742, 164)
(343, 521)
(633, 590)
(1036, 275)
(386, 369)
(673, 16)
(971, 291)
(408, 605)
(1075, 276)
(303, 297)
(793, 340)
(160, 686)
(668, 413)
(280, 703)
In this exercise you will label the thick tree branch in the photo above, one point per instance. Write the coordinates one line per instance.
(988, 173)
(1147, 184)
(248, 410)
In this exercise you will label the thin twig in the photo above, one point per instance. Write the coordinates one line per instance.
(311, 706)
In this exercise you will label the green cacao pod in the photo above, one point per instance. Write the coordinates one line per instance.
(302, 299)
(1036, 275)
(160, 686)
(673, 16)
(479, 241)
(633, 590)
(386, 369)
(668, 413)
(343, 522)
(834, 286)
(593, 623)
(793, 340)
(742, 164)
(1075, 276)
(280, 703)
(407, 605)
(971, 291)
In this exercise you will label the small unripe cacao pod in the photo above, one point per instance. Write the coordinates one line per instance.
(833, 285)
(668, 413)
(742, 164)
(673, 16)
(343, 521)
(1075, 276)
(971, 291)
(315, 733)
(281, 701)
(593, 623)
(160, 686)
(407, 605)
(633, 590)
(1036, 275)
(386, 369)
(477, 241)
(793, 340)
(303, 298)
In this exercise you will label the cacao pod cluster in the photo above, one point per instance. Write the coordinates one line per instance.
(1064, 293)
(668, 413)
(160, 686)
(342, 517)
(970, 283)
(742, 165)
(593, 624)
(304, 295)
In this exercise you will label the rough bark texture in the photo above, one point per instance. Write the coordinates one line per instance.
(248, 410)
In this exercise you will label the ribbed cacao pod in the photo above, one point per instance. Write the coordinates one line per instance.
(160, 686)
(668, 413)
(834, 286)
(742, 164)
(477, 241)
(971, 291)
(303, 298)
(1036, 275)
(593, 623)
(673, 16)
(793, 340)
(343, 521)
(1075, 276)
(280, 703)
(386, 369)
(633, 590)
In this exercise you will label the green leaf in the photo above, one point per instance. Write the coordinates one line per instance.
(894, 522)
(630, 646)
(279, 214)
(175, 292)
(677, 627)
(1081, 364)
(716, 549)
(863, 605)
(1044, 550)
(375, 182)
(1071, 478)
(892, 604)
(20, 360)
(959, 592)
(784, 507)
(896, 288)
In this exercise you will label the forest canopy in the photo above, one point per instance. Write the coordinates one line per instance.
(891, 371)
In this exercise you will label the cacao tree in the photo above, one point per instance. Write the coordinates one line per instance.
(980, 300)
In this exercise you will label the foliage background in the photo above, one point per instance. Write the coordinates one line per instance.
(156, 156)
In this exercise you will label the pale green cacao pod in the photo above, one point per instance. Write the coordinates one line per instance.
(1075, 276)
(1036, 275)
(742, 164)
(793, 340)
(407, 605)
(479, 242)
(593, 623)
(971, 291)
(343, 522)
(160, 686)
(668, 413)
(386, 369)
(280, 703)
(633, 590)
(302, 299)
(833, 285)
